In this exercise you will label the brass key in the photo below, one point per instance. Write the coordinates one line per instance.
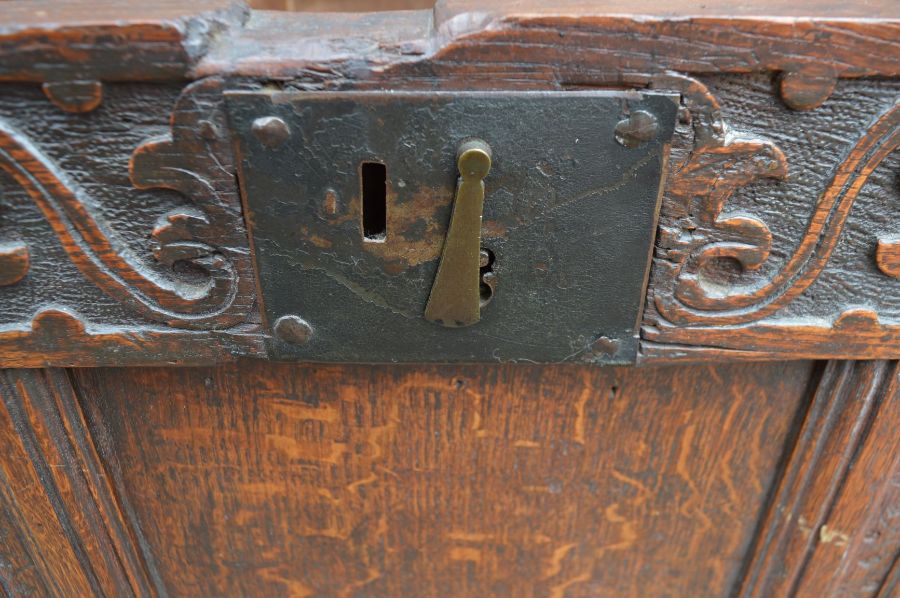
(455, 297)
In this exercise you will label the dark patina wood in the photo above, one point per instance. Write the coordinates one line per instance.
(774, 236)
(123, 242)
(63, 529)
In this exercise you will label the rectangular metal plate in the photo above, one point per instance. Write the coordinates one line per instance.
(569, 214)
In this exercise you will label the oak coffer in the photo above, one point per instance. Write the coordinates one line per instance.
(479, 299)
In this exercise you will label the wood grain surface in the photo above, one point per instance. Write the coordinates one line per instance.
(122, 241)
(261, 479)
(777, 227)
(858, 547)
(833, 528)
(60, 42)
(62, 532)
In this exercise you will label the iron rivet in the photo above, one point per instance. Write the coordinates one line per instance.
(271, 131)
(330, 205)
(605, 346)
(637, 129)
(293, 329)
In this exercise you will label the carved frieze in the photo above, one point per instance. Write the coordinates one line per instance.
(777, 233)
(202, 279)
(710, 292)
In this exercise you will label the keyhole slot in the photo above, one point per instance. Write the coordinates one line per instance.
(373, 183)
(486, 277)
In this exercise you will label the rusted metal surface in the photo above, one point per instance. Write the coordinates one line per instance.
(569, 218)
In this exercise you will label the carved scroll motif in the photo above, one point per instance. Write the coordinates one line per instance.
(209, 237)
(697, 237)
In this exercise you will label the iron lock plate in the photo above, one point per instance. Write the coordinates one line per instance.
(569, 217)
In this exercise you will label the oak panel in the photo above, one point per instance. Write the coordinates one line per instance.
(268, 479)
(62, 532)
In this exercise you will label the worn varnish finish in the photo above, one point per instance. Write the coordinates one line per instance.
(834, 525)
(858, 550)
(63, 531)
(122, 242)
(195, 272)
(181, 236)
(260, 479)
(96, 41)
(717, 280)
(775, 235)
(447, 481)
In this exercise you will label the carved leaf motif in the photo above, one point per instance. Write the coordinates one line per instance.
(699, 236)
(222, 297)
(196, 160)
(704, 186)
(173, 240)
